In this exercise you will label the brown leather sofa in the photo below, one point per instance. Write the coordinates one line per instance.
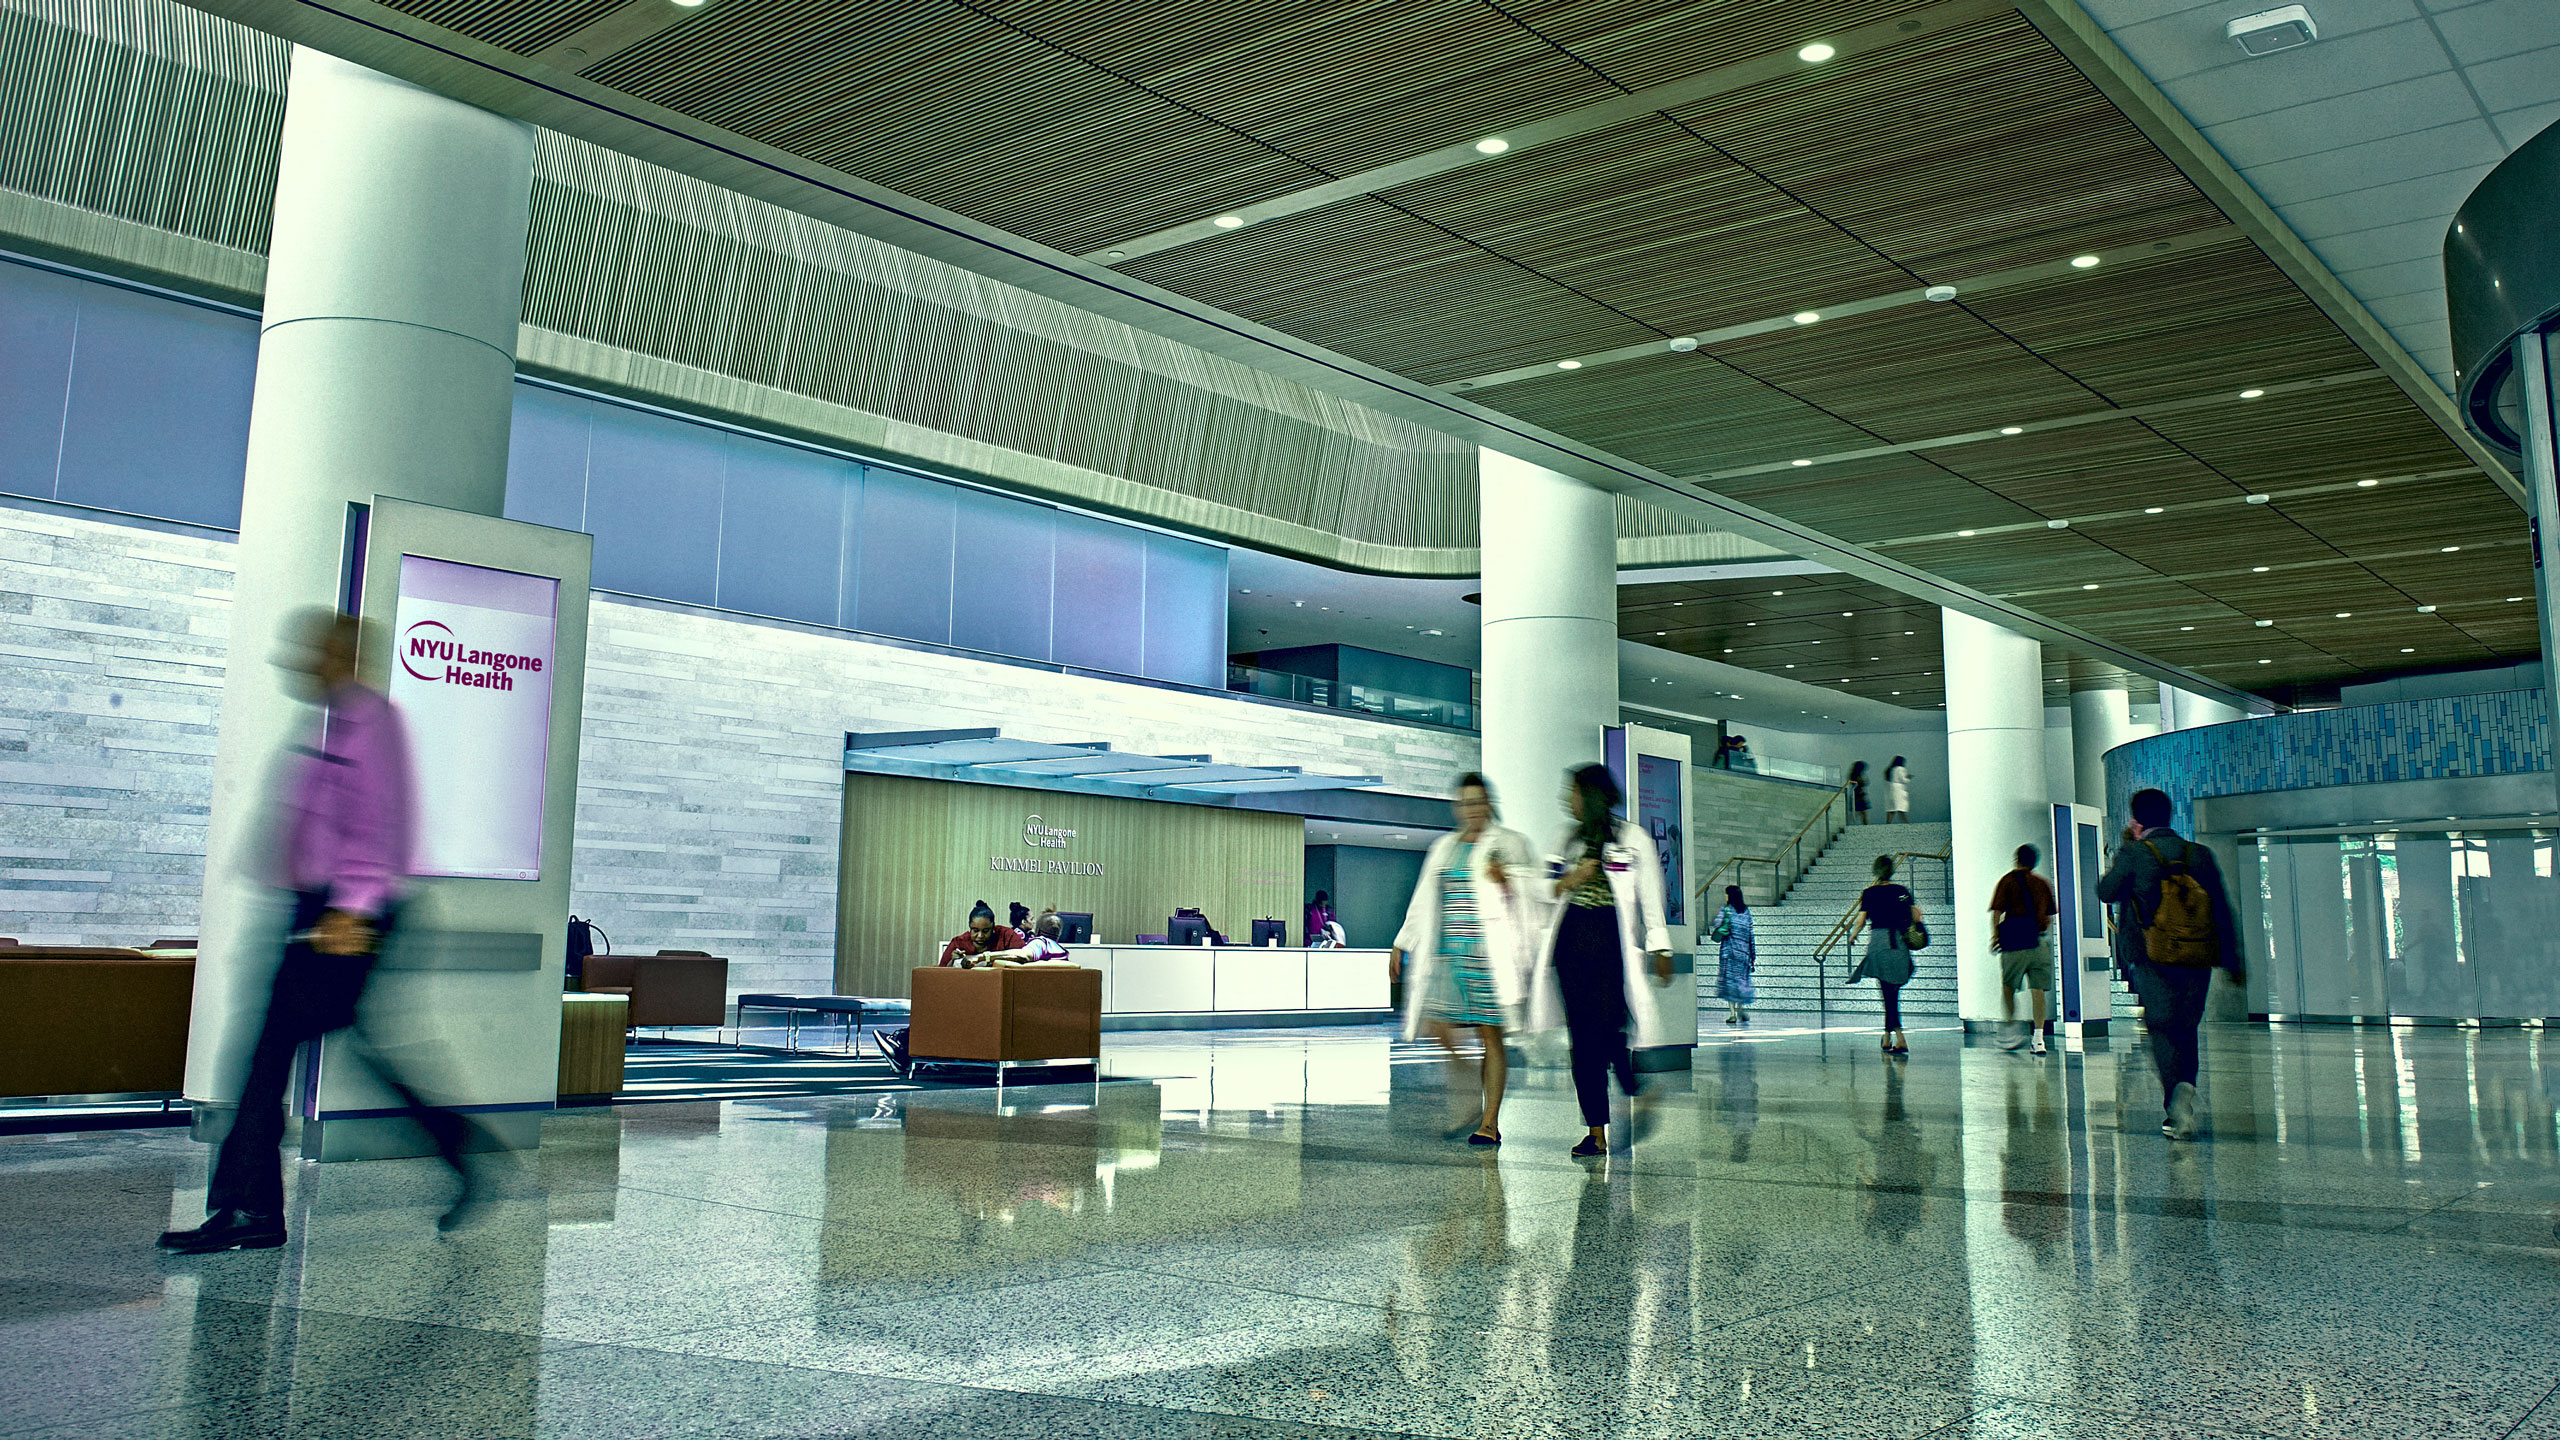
(78, 1020)
(672, 987)
(1005, 1013)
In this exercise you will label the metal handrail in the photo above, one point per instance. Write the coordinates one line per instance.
(1709, 884)
(1785, 872)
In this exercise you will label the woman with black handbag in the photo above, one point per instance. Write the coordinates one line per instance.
(1891, 916)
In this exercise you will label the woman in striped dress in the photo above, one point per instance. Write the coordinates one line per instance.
(1462, 949)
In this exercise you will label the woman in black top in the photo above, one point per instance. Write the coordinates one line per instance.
(1858, 789)
(1887, 912)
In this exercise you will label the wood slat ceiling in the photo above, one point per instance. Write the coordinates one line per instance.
(1947, 155)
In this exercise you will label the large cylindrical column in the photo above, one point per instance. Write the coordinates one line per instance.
(2101, 719)
(386, 366)
(1995, 785)
(1550, 638)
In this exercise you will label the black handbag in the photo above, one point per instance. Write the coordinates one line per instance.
(1917, 937)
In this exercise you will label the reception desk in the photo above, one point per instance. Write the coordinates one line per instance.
(1194, 987)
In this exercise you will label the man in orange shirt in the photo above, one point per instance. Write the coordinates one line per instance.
(2022, 931)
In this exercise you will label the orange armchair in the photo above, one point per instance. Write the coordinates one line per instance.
(672, 987)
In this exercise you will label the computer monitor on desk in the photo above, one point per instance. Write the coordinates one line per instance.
(1270, 932)
(1186, 930)
(1074, 929)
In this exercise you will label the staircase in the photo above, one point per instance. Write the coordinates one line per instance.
(1788, 932)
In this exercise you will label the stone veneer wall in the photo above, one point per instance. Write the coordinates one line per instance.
(2503, 733)
(709, 779)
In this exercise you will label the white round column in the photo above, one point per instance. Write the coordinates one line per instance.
(1995, 788)
(1550, 633)
(386, 365)
(2101, 719)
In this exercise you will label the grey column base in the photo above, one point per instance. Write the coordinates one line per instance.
(208, 1120)
(395, 1137)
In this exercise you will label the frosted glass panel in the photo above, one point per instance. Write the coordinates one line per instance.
(904, 557)
(782, 531)
(653, 504)
(38, 311)
(1002, 572)
(157, 419)
(547, 457)
(1101, 589)
(1186, 638)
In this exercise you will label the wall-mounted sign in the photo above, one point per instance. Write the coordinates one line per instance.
(1040, 865)
(1039, 836)
(471, 666)
(1658, 811)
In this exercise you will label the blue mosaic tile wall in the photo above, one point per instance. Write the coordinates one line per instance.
(2457, 735)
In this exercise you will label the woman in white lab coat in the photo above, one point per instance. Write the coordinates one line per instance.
(1462, 952)
(1607, 930)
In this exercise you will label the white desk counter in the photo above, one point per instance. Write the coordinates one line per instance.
(1194, 987)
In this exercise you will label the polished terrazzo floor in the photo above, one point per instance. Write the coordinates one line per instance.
(1269, 1234)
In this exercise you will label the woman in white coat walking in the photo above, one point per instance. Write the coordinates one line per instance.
(1462, 949)
(1897, 792)
(1609, 924)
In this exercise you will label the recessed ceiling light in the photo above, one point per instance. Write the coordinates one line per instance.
(2346, 614)
(1816, 642)
(2426, 609)
(1659, 633)
(1965, 533)
(1845, 614)
(2155, 509)
(1939, 294)
(687, 4)
(1897, 692)
(2449, 549)
(2262, 624)
(1568, 364)
(2259, 499)
(2408, 649)
(2266, 662)
(2084, 262)
(1493, 145)
(2513, 599)
(1791, 665)
(1119, 254)
(2013, 430)
(2057, 524)
(1728, 650)
(2186, 627)
(1682, 343)
(1799, 462)
(1777, 592)
(2088, 587)
(1816, 53)
(2257, 569)
(1228, 222)
(1910, 632)
(1805, 317)
(2367, 484)
(1747, 624)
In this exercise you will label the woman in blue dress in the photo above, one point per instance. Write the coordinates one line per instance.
(1736, 956)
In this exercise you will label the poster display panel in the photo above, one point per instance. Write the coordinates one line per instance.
(1658, 811)
(473, 652)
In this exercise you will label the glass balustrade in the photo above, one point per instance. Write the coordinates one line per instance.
(1334, 694)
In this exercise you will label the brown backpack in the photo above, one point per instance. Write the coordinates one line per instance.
(2180, 930)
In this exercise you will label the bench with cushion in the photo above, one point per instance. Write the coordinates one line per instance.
(856, 1012)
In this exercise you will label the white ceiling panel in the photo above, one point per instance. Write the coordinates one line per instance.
(2367, 140)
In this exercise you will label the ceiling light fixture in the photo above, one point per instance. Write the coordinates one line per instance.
(2513, 599)
(2262, 624)
(2408, 649)
(2346, 614)
(1777, 592)
(2449, 549)
(2057, 524)
(2266, 662)
(1682, 344)
(1799, 462)
(1938, 294)
(2258, 499)
(2367, 484)
(2426, 609)
(1228, 222)
(1568, 364)
(1817, 52)
(2088, 587)
(1805, 317)
(2155, 510)
(2284, 28)
(2257, 569)
(2186, 627)
(2013, 429)
(1493, 145)
(2251, 394)
(2084, 262)
(1966, 534)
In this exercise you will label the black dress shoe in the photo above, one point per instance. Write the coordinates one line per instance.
(1589, 1149)
(226, 1230)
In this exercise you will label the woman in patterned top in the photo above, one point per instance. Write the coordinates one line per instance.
(1462, 947)
(1610, 926)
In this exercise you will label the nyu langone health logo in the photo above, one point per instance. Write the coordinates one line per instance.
(430, 643)
(1048, 837)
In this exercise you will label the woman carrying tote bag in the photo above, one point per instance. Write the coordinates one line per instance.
(1736, 956)
(1891, 917)
(1462, 950)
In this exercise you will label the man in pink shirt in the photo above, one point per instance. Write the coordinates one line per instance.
(350, 823)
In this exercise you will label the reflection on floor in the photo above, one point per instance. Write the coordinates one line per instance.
(1271, 1234)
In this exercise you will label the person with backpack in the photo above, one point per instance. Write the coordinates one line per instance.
(2175, 927)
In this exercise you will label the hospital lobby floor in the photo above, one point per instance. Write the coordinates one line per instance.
(1265, 1234)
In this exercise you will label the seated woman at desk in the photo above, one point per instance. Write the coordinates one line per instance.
(984, 938)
